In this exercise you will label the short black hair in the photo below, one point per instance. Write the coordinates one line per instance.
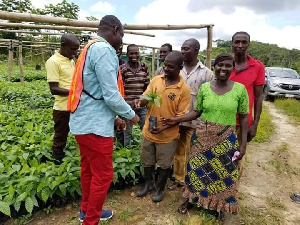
(223, 56)
(177, 56)
(131, 45)
(108, 22)
(195, 43)
(68, 38)
(167, 45)
(241, 32)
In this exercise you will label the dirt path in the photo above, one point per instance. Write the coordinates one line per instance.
(272, 173)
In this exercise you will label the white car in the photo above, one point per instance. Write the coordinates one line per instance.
(281, 82)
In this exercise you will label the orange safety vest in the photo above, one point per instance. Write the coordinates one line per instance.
(77, 81)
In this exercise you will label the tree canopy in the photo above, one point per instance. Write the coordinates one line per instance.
(268, 54)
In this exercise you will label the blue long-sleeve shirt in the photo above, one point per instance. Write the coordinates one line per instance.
(100, 80)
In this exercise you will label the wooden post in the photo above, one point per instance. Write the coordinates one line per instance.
(31, 53)
(209, 46)
(10, 60)
(153, 62)
(43, 58)
(21, 63)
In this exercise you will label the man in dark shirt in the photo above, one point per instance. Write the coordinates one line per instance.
(165, 49)
(135, 80)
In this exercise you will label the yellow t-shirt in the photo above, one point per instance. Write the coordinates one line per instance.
(60, 69)
(175, 102)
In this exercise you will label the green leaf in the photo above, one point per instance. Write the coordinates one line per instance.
(21, 197)
(29, 126)
(157, 102)
(4, 208)
(34, 201)
(63, 189)
(17, 206)
(120, 160)
(45, 194)
(41, 186)
(29, 205)
(25, 155)
(11, 190)
(145, 97)
(8, 199)
(16, 167)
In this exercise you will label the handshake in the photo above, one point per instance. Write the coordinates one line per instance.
(121, 124)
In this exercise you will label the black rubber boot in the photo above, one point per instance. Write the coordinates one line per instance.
(160, 185)
(149, 182)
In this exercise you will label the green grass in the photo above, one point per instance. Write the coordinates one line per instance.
(265, 127)
(275, 203)
(290, 107)
(257, 216)
(125, 215)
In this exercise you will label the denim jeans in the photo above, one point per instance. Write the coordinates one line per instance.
(124, 137)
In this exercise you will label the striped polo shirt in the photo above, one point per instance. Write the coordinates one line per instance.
(135, 81)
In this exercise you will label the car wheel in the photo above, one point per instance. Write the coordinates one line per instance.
(267, 97)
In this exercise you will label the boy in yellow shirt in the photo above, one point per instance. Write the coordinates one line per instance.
(59, 69)
(159, 142)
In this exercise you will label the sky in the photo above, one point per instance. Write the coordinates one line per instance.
(268, 21)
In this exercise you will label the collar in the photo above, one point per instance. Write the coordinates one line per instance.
(198, 65)
(179, 84)
(251, 62)
(57, 54)
(127, 65)
(103, 40)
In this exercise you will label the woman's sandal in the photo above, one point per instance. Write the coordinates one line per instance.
(183, 208)
(295, 198)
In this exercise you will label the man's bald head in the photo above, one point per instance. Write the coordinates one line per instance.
(69, 45)
(175, 56)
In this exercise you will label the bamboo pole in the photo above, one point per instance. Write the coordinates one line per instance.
(34, 32)
(153, 62)
(51, 27)
(21, 63)
(71, 22)
(39, 42)
(209, 46)
(10, 61)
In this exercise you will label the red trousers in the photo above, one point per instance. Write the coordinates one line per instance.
(96, 173)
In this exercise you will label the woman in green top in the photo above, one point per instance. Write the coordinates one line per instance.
(212, 171)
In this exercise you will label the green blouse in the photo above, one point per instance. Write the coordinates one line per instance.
(223, 108)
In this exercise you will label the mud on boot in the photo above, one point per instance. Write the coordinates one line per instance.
(149, 182)
(160, 185)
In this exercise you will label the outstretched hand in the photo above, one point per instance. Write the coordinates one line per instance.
(136, 103)
(157, 130)
(120, 124)
(135, 119)
(168, 120)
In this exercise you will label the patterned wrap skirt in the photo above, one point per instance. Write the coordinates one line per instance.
(211, 178)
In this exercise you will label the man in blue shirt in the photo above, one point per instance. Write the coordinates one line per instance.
(93, 121)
